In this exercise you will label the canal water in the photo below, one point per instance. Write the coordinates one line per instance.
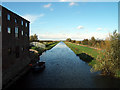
(64, 70)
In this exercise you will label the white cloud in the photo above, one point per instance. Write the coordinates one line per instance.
(72, 4)
(47, 6)
(74, 36)
(32, 18)
(99, 29)
(80, 27)
(52, 36)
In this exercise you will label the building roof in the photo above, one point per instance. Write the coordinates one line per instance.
(14, 13)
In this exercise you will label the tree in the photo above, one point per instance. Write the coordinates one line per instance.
(33, 38)
(68, 39)
(73, 41)
(108, 61)
(92, 42)
(85, 42)
(78, 42)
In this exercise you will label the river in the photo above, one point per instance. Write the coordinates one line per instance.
(65, 70)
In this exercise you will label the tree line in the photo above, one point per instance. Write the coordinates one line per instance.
(108, 60)
(91, 42)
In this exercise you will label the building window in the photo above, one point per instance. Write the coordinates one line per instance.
(9, 51)
(26, 24)
(15, 20)
(21, 22)
(9, 30)
(8, 17)
(22, 33)
(16, 32)
(0, 28)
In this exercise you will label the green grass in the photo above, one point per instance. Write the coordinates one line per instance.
(51, 45)
(41, 50)
(81, 49)
(77, 49)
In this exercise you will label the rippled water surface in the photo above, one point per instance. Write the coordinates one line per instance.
(64, 70)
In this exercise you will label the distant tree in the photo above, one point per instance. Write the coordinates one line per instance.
(68, 39)
(85, 42)
(92, 42)
(73, 41)
(33, 38)
(78, 42)
(102, 44)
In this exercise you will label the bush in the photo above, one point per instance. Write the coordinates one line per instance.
(108, 61)
(78, 42)
(40, 50)
(73, 41)
(85, 42)
(68, 39)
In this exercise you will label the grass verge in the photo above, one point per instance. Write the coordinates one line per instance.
(48, 46)
(86, 54)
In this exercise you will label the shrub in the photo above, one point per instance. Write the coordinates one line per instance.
(78, 42)
(85, 42)
(73, 41)
(68, 39)
(108, 62)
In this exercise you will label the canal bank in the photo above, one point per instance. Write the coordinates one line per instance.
(64, 70)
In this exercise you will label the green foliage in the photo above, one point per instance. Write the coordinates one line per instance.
(78, 42)
(73, 41)
(50, 45)
(85, 42)
(40, 50)
(109, 64)
(33, 38)
(68, 39)
(81, 49)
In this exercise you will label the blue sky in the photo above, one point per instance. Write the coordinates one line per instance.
(61, 20)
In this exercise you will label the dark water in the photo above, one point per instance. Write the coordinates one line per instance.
(65, 70)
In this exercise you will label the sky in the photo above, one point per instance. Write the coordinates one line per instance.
(61, 20)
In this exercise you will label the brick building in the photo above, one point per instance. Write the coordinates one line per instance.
(14, 40)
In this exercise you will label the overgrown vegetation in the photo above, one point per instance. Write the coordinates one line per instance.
(110, 63)
(89, 42)
(106, 60)
(49, 45)
(85, 53)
